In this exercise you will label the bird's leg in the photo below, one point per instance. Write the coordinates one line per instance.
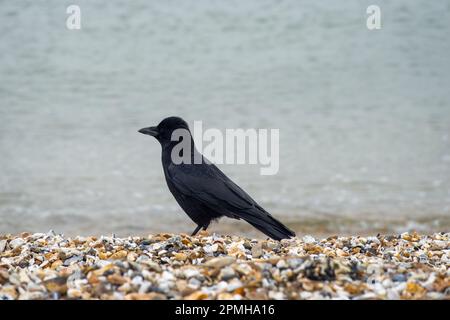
(196, 230)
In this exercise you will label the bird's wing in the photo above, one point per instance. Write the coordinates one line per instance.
(208, 184)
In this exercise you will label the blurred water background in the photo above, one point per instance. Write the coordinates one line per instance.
(364, 116)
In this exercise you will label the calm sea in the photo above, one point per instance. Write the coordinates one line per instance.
(364, 116)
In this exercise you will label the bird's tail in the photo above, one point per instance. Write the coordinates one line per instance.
(268, 225)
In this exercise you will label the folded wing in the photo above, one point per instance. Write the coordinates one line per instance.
(210, 186)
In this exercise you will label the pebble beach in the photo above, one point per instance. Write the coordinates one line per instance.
(212, 266)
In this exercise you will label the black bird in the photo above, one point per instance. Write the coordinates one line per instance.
(204, 192)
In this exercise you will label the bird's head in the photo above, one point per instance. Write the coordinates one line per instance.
(163, 131)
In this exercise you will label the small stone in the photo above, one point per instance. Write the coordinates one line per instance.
(276, 295)
(126, 288)
(137, 281)
(116, 279)
(226, 274)
(132, 256)
(414, 288)
(31, 296)
(58, 285)
(211, 248)
(16, 243)
(92, 278)
(2, 245)
(179, 256)
(257, 250)
(314, 249)
(308, 239)
(190, 272)
(145, 296)
(257, 295)
(8, 293)
(234, 284)
(354, 289)
(74, 293)
(220, 262)
(236, 249)
(149, 263)
(119, 255)
(282, 264)
(101, 271)
(23, 277)
(399, 277)
(103, 255)
(194, 283)
(243, 269)
(4, 276)
(72, 260)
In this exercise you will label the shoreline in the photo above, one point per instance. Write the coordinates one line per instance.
(319, 226)
(212, 266)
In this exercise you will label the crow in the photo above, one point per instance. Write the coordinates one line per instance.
(203, 191)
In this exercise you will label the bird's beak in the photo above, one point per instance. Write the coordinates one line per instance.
(151, 131)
